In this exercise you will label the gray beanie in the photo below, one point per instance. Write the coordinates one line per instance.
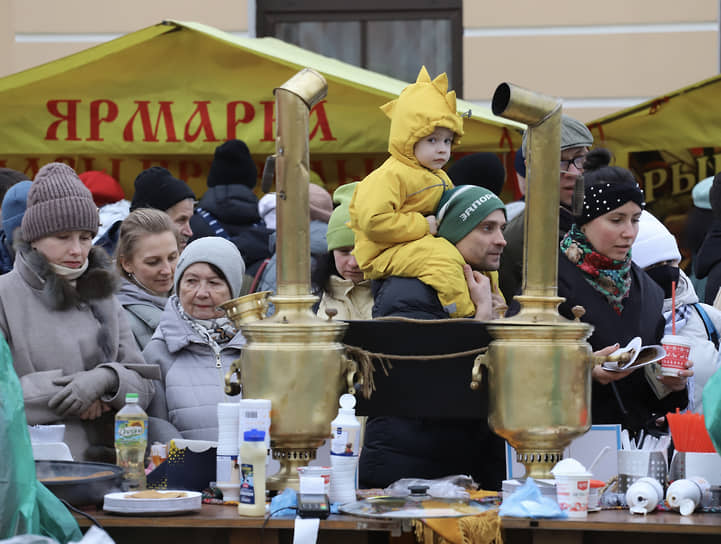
(573, 134)
(58, 202)
(221, 253)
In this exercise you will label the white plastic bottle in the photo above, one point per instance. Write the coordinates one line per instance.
(344, 447)
(252, 474)
(131, 439)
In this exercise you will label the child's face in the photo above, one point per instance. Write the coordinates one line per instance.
(434, 150)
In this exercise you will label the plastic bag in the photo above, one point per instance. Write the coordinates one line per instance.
(528, 502)
(448, 487)
(26, 506)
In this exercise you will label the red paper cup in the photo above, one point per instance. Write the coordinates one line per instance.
(677, 352)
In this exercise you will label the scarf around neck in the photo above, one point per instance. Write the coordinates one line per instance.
(69, 274)
(217, 331)
(609, 277)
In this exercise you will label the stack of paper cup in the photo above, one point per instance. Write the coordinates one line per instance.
(343, 478)
(255, 414)
(227, 469)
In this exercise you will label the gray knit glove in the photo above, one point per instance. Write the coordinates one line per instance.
(81, 390)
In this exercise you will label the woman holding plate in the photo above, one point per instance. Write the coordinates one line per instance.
(595, 271)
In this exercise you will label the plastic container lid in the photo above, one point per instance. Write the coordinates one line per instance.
(131, 397)
(347, 401)
(570, 467)
(254, 403)
(254, 435)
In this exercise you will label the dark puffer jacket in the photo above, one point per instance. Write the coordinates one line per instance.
(510, 274)
(236, 208)
(641, 316)
(398, 447)
(708, 262)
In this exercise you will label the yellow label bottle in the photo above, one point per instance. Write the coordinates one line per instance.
(252, 474)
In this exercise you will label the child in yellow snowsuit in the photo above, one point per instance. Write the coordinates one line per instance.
(389, 213)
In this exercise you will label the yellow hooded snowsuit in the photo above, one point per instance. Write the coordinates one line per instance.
(388, 209)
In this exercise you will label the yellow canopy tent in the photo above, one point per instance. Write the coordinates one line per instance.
(671, 142)
(170, 93)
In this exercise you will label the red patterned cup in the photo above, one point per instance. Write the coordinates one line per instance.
(677, 351)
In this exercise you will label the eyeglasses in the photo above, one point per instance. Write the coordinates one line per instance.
(576, 161)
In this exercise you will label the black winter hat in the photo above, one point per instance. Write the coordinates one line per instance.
(480, 169)
(232, 165)
(8, 178)
(157, 188)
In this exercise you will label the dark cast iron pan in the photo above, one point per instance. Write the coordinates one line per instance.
(80, 483)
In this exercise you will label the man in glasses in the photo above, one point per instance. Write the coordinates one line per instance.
(576, 140)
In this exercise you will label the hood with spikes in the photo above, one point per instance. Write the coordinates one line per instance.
(420, 108)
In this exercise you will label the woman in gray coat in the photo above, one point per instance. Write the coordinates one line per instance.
(195, 343)
(146, 256)
(71, 345)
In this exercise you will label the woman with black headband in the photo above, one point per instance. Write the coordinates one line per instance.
(621, 302)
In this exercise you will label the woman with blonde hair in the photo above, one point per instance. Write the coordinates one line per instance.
(147, 252)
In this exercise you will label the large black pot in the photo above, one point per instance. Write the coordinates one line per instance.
(79, 483)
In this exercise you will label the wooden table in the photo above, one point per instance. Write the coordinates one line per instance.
(616, 527)
(218, 524)
(222, 525)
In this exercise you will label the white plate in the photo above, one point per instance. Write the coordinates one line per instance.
(120, 503)
(649, 354)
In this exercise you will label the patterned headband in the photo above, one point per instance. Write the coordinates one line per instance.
(601, 198)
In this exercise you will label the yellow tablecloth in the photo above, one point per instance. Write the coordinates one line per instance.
(484, 528)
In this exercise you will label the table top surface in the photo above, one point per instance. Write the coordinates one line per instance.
(622, 520)
(219, 516)
(222, 516)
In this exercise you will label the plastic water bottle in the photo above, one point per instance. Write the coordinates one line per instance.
(131, 439)
(344, 446)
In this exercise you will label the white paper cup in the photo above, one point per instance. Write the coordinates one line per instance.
(677, 351)
(572, 494)
(231, 492)
(322, 472)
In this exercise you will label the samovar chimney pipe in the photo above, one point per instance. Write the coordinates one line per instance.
(542, 114)
(294, 99)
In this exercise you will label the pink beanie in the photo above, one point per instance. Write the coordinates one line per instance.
(321, 203)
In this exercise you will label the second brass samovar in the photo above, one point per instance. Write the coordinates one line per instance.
(539, 363)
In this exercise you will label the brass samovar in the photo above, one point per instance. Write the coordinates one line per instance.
(293, 358)
(539, 363)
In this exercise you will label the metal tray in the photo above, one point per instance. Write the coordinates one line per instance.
(79, 483)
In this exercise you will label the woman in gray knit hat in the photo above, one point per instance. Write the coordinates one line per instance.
(71, 345)
(195, 342)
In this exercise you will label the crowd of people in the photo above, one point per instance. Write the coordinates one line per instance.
(101, 296)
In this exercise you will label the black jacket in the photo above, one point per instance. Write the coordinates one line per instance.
(510, 273)
(236, 209)
(398, 447)
(708, 262)
(641, 316)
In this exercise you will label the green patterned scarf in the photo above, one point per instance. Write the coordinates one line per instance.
(609, 277)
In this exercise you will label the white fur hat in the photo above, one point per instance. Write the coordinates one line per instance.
(654, 243)
(266, 209)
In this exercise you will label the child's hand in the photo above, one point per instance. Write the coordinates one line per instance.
(432, 223)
